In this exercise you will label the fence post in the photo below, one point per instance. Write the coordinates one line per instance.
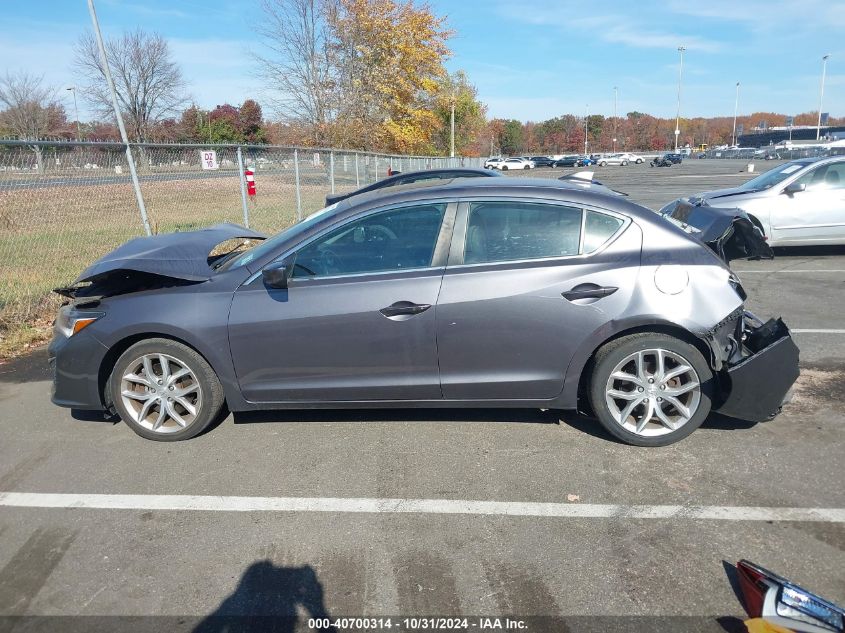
(357, 177)
(331, 168)
(298, 195)
(243, 186)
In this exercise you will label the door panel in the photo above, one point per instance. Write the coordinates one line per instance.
(326, 340)
(357, 321)
(816, 214)
(505, 331)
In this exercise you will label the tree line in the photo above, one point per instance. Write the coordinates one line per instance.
(352, 74)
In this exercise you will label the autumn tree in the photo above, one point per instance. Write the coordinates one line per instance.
(149, 84)
(470, 114)
(388, 57)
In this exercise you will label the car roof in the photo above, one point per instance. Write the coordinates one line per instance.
(571, 191)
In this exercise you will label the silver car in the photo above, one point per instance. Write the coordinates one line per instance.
(799, 203)
(475, 292)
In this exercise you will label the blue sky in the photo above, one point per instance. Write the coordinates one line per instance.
(530, 59)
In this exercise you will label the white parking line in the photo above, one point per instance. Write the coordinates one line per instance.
(416, 506)
(797, 270)
(811, 331)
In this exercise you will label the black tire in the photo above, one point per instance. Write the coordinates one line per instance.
(212, 397)
(624, 163)
(615, 352)
(639, 161)
(504, 167)
(602, 164)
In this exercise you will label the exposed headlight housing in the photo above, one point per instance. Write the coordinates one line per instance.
(69, 321)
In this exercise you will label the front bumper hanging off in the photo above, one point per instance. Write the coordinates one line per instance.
(757, 381)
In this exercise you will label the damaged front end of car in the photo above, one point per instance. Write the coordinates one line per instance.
(158, 261)
(730, 233)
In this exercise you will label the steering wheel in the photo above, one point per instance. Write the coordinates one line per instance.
(385, 233)
(330, 262)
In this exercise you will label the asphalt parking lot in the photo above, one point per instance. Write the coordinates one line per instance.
(308, 513)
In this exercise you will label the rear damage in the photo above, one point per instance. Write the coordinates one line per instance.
(756, 364)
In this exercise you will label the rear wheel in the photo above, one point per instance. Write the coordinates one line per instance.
(650, 389)
(602, 164)
(504, 167)
(165, 390)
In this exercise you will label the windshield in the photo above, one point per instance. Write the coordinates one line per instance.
(772, 177)
(270, 244)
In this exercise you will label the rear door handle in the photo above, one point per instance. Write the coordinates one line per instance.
(588, 291)
(404, 307)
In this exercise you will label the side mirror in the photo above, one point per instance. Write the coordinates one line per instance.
(277, 274)
(794, 187)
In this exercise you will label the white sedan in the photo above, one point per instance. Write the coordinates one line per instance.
(613, 159)
(493, 163)
(516, 163)
(634, 158)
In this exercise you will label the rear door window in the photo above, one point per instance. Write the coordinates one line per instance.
(509, 231)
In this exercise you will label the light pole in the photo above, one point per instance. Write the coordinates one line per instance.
(681, 50)
(586, 118)
(821, 97)
(615, 103)
(76, 112)
(452, 154)
(736, 106)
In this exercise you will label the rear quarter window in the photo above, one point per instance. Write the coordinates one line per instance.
(598, 229)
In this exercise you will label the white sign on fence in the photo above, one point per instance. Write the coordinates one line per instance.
(208, 158)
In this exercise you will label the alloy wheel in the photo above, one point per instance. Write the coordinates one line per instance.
(653, 392)
(161, 393)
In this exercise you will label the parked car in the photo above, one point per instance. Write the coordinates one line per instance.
(400, 297)
(612, 159)
(674, 158)
(493, 163)
(516, 163)
(799, 203)
(542, 161)
(447, 173)
(634, 158)
(660, 161)
(573, 161)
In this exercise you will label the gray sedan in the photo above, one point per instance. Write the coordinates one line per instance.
(480, 292)
(799, 203)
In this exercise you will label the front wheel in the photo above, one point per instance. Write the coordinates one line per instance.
(639, 161)
(624, 163)
(527, 167)
(504, 167)
(650, 389)
(165, 390)
(602, 164)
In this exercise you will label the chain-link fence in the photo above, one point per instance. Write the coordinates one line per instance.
(62, 205)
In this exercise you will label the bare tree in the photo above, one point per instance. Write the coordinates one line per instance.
(30, 108)
(298, 67)
(149, 84)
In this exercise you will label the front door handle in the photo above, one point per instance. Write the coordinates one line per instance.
(404, 307)
(588, 291)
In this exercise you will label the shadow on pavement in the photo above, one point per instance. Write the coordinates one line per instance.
(529, 416)
(31, 367)
(268, 598)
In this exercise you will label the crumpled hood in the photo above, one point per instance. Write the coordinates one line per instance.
(176, 255)
(727, 232)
